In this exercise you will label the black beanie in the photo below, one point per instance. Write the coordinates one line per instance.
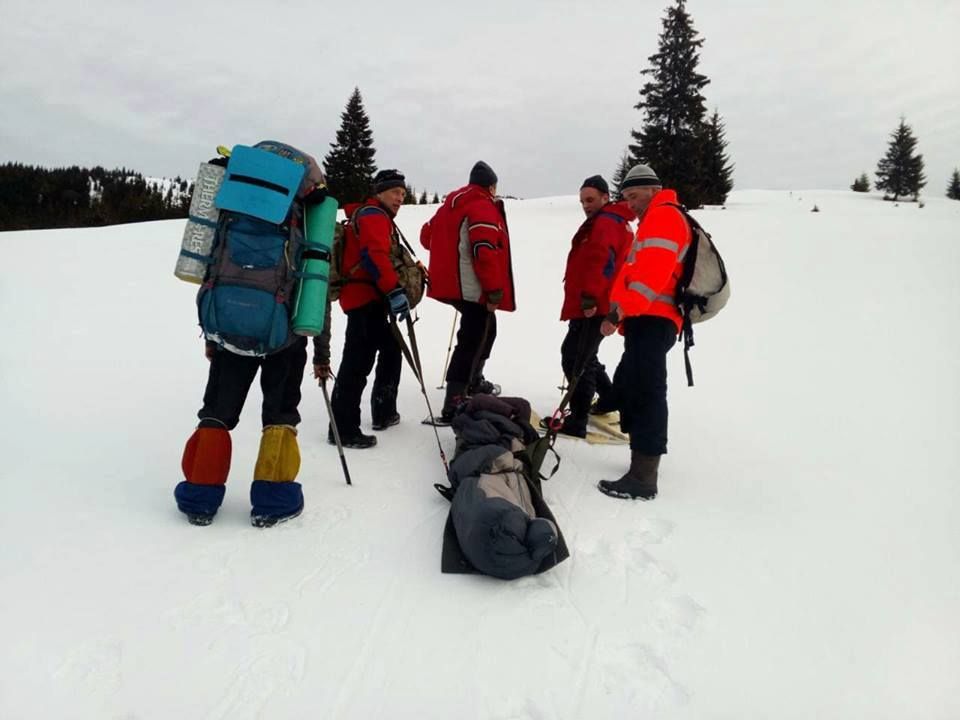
(483, 175)
(387, 179)
(597, 183)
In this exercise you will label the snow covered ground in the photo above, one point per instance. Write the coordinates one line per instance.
(802, 560)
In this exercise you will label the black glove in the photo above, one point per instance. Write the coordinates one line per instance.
(316, 196)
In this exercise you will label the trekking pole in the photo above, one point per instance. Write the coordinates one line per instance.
(418, 373)
(446, 364)
(336, 431)
(556, 420)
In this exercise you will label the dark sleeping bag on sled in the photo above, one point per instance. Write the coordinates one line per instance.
(499, 524)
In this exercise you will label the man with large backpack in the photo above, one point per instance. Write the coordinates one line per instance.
(371, 293)
(244, 306)
(643, 305)
(470, 268)
(596, 253)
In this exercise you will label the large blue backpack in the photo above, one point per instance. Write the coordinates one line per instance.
(244, 301)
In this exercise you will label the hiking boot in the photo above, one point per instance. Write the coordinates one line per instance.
(383, 424)
(383, 406)
(199, 519)
(265, 521)
(484, 387)
(358, 440)
(603, 406)
(573, 428)
(638, 483)
(453, 398)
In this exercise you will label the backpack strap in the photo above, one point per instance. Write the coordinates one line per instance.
(684, 303)
(613, 216)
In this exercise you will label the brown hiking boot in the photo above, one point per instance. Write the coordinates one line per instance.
(639, 482)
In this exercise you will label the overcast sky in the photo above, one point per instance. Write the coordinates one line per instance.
(542, 90)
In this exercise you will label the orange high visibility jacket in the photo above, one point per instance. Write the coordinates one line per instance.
(647, 281)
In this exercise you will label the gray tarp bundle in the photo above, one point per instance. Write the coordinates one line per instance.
(498, 524)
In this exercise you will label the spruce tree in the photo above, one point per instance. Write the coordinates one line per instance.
(623, 167)
(900, 171)
(861, 184)
(349, 166)
(423, 198)
(411, 197)
(953, 189)
(671, 139)
(436, 199)
(716, 168)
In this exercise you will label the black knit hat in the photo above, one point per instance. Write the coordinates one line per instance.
(483, 175)
(387, 179)
(597, 183)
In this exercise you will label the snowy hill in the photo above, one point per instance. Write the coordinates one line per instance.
(802, 560)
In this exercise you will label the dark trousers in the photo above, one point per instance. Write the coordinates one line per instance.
(478, 330)
(641, 382)
(367, 339)
(579, 349)
(230, 377)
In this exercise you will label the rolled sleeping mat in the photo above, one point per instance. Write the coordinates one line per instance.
(310, 304)
(197, 244)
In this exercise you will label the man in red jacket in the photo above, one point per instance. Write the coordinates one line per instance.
(371, 293)
(470, 268)
(642, 304)
(596, 253)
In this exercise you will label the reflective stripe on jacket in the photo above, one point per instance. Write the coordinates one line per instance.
(647, 282)
(469, 249)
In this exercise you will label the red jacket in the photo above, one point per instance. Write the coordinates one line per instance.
(469, 249)
(366, 254)
(596, 254)
(647, 282)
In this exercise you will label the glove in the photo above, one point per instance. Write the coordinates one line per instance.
(399, 305)
(316, 195)
(321, 371)
(588, 305)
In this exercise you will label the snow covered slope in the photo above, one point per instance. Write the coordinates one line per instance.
(802, 560)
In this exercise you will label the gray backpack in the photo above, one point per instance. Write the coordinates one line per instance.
(704, 288)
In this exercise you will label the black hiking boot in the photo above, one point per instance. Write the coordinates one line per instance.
(484, 387)
(358, 441)
(603, 406)
(383, 406)
(201, 519)
(266, 521)
(383, 424)
(573, 428)
(638, 483)
(453, 398)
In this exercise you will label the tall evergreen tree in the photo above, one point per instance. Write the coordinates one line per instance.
(436, 199)
(900, 171)
(953, 189)
(861, 184)
(716, 168)
(411, 197)
(349, 166)
(671, 139)
(423, 198)
(623, 167)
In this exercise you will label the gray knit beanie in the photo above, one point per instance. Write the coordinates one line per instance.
(640, 176)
